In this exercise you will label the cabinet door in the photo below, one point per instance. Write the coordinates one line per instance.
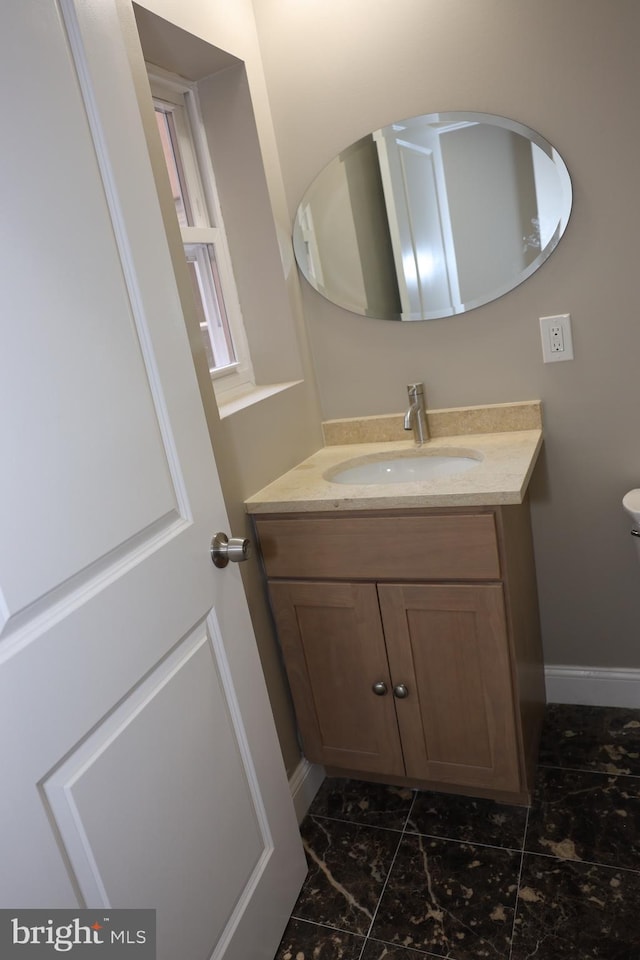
(334, 652)
(448, 645)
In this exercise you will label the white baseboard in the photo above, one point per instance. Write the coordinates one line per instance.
(595, 686)
(304, 783)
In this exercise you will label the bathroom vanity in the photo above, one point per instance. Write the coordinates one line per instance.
(407, 612)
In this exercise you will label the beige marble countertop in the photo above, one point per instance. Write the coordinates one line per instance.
(507, 456)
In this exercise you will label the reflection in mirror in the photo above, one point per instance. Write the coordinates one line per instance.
(432, 216)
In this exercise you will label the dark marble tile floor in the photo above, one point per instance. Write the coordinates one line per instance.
(402, 875)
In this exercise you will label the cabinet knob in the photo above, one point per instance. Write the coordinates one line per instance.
(400, 691)
(379, 688)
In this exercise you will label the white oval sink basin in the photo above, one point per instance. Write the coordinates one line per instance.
(405, 469)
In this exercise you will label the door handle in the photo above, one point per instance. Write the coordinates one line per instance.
(400, 691)
(224, 549)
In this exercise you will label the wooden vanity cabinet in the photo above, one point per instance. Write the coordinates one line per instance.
(411, 644)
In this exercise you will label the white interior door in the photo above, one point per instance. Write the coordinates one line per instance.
(415, 193)
(139, 761)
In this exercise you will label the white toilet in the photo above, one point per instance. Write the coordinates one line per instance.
(631, 503)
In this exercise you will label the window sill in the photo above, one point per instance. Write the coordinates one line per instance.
(234, 401)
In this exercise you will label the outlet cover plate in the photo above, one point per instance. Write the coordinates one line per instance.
(557, 343)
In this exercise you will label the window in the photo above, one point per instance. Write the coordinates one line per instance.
(198, 211)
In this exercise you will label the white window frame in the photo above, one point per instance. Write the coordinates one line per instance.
(208, 227)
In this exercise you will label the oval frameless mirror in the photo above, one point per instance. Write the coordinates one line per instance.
(432, 216)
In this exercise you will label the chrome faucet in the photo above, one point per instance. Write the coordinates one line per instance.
(416, 417)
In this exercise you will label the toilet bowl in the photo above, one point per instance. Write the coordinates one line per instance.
(631, 503)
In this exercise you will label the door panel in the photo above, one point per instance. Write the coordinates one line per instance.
(334, 651)
(444, 644)
(101, 795)
(140, 762)
(448, 644)
(85, 398)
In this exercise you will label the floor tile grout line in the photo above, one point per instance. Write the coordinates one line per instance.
(601, 773)
(515, 905)
(474, 843)
(587, 863)
(384, 886)
(325, 926)
(418, 952)
(356, 823)
(410, 811)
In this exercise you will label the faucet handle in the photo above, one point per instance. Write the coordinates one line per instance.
(416, 416)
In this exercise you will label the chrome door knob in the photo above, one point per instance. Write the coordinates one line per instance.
(224, 549)
(379, 688)
(400, 691)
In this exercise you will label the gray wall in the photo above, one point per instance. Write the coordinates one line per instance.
(334, 71)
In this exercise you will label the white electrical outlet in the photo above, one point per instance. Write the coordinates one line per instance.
(556, 338)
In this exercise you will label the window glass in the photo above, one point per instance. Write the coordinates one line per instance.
(198, 212)
(212, 314)
(169, 140)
